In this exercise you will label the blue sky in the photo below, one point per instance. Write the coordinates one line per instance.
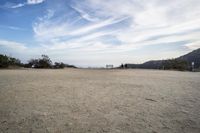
(99, 32)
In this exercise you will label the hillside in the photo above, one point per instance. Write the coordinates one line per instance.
(193, 56)
(180, 63)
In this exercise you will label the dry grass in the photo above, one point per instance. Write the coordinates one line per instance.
(83, 100)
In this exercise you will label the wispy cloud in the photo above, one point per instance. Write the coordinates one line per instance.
(193, 45)
(12, 45)
(12, 27)
(96, 26)
(135, 24)
(48, 28)
(85, 15)
(111, 27)
(32, 2)
(18, 5)
(28, 2)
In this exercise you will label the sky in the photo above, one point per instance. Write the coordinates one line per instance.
(99, 32)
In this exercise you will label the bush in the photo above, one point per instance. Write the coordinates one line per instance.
(6, 61)
(176, 64)
(44, 62)
(59, 65)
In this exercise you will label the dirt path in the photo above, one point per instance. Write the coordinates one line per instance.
(98, 101)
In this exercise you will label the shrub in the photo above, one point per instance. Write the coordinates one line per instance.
(59, 65)
(6, 61)
(44, 62)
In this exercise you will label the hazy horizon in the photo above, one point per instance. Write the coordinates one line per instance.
(99, 32)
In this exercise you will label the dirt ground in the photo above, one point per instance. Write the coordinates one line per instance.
(99, 101)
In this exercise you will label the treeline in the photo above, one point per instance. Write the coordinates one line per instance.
(43, 62)
(6, 61)
(170, 64)
(176, 64)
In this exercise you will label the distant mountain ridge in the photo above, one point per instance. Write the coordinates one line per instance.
(182, 62)
(193, 56)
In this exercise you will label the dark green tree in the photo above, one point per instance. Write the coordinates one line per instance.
(4, 61)
(176, 64)
(59, 65)
(44, 62)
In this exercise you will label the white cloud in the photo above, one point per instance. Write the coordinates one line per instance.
(96, 26)
(85, 15)
(18, 5)
(12, 45)
(149, 19)
(155, 22)
(31, 2)
(140, 34)
(194, 45)
(12, 27)
(28, 2)
(47, 28)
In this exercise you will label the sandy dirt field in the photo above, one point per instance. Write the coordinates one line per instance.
(99, 101)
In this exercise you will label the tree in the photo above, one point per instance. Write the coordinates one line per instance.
(59, 65)
(176, 64)
(4, 61)
(121, 66)
(14, 61)
(44, 62)
(33, 63)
